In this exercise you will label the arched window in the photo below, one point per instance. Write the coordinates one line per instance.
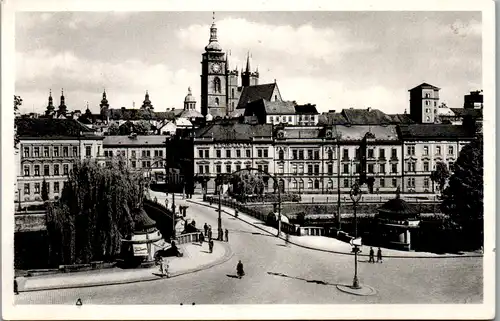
(310, 184)
(330, 154)
(275, 97)
(216, 101)
(232, 93)
(301, 184)
(316, 184)
(281, 154)
(217, 84)
(330, 184)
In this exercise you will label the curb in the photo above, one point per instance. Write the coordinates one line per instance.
(228, 254)
(337, 252)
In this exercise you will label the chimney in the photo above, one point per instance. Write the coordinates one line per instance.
(369, 109)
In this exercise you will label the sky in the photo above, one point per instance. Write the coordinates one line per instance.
(334, 59)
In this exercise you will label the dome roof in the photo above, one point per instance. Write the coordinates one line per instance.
(213, 46)
(191, 113)
(398, 207)
(189, 97)
(142, 221)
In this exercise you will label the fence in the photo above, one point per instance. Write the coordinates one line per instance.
(188, 238)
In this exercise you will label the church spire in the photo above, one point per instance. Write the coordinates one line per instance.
(62, 106)
(213, 44)
(248, 62)
(50, 106)
(146, 104)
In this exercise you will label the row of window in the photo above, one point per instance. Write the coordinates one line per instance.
(262, 152)
(56, 151)
(37, 188)
(346, 183)
(46, 170)
(205, 169)
(145, 164)
(411, 150)
(133, 154)
(412, 165)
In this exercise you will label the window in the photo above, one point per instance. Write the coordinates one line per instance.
(65, 169)
(294, 168)
(26, 189)
(148, 153)
(438, 150)
(228, 168)
(134, 164)
(428, 118)
(156, 153)
(394, 168)
(259, 167)
(65, 151)
(427, 110)
(450, 166)
(435, 104)
(450, 150)
(316, 169)
(259, 153)
(281, 168)
(218, 169)
(37, 170)
(289, 119)
(371, 153)
(294, 154)
(301, 184)
(232, 92)
(281, 154)
(238, 153)
(46, 170)
(382, 182)
(309, 169)
(26, 152)
(310, 184)
(37, 188)
(301, 169)
(294, 184)
(426, 183)
(316, 154)
(345, 169)
(228, 153)
(218, 153)
(346, 182)
(426, 150)
(330, 184)
(200, 153)
(248, 153)
(36, 152)
(411, 150)
(75, 151)
(266, 169)
(238, 167)
(143, 164)
(357, 168)
(394, 153)
(207, 169)
(426, 166)
(266, 153)
(345, 155)
(381, 153)
(56, 151)
(88, 151)
(330, 169)
(370, 168)
(394, 182)
(301, 154)
(106, 153)
(216, 101)
(316, 184)
(217, 86)
(411, 182)
(309, 154)
(99, 150)
(427, 103)
(357, 154)
(26, 170)
(45, 152)
(56, 187)
(382, 169)
(330, 154)
(427, 95)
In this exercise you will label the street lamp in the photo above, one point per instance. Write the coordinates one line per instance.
(219, 219)
(355, 195)
(279, 208)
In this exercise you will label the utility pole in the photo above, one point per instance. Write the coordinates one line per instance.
(279, 209)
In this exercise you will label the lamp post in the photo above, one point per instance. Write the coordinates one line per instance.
(19, 199)
(219, 219)
(355, 195)
(279, 208)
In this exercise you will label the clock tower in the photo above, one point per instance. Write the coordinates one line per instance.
(213, 77)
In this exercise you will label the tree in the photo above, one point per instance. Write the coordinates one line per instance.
(17, 102)
(463, 198)
(95, 212)
(142, 127)
(440, 175)
(114, 129)
(45, 192)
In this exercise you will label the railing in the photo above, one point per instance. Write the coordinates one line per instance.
(188, 238)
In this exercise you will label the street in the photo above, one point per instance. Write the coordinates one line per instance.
(287, 274)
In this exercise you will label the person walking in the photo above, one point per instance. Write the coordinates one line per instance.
(235, 213)
(211, 245)
(205, 228)
(227, 235)
(202, 238)
(209, 232)
(372, 256)
(16, 288)
(379, 255)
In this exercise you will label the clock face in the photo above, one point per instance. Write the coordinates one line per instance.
(215, 67)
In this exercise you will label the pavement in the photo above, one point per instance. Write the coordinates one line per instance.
(196, 258)
(328, 244)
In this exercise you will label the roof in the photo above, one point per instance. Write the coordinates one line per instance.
(169, 115)
(399, 207)
(123, 140)
(278, 107)
(366, 116)
(435, 131)
(463, 112)
(183, 122)
(253, 93)
(190, 113)
(233, 131)
(332, 118)
(356, 133)
(51, 127)
(424, 85)
(400, 119)
(142, 220)
(308, 109)
(305, 132)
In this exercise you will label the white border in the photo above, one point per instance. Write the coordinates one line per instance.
(358, 311)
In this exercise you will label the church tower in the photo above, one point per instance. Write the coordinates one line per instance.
(249, 78)
(104, 107)
(50, 107)
(214, 77)
(233, 94)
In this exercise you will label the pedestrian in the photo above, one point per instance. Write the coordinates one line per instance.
(372, 256)
(211, 246)
(227, 235)
(379, 255)
(201, 237)
(235, 213)
(205, 228)
(16, 289)
(209, 232)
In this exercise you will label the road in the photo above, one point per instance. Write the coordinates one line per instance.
(277, 273)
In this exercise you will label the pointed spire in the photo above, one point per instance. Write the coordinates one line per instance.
(248, 62)
(51, 103)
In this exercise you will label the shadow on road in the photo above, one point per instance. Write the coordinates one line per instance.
(283, 245)
(254, 233)
(206, 252)
(232, 276)
(308, 281)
